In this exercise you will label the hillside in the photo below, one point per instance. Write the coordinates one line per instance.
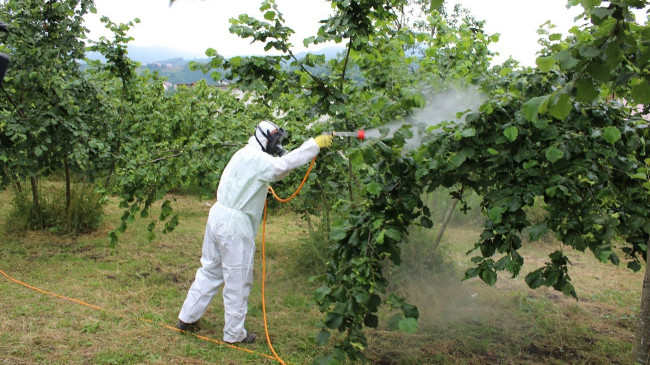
(174, 64)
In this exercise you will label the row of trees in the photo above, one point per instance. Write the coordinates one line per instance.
(553, 133)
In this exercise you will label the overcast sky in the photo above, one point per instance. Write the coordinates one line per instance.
(192, 26)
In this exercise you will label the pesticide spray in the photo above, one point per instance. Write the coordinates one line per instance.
(440, 107)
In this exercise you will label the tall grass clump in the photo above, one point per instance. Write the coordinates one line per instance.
(310, 257)
(84, 213)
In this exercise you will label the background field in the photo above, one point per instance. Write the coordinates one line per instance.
(460, 322)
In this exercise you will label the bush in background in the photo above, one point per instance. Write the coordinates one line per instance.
(83, 215)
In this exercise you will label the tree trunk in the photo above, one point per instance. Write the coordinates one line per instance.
(37, 206)
(13, 178)
(67, 184)
(445, 221)
(642, 341)
(326, 206)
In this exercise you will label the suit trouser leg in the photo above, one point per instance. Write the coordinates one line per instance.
(208, 280)
(238, 258)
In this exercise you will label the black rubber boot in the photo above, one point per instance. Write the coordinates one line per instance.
(250, 338)
(189, 327)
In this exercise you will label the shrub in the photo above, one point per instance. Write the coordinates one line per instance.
(83, 215)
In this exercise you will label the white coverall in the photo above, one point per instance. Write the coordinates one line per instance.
(229, 241)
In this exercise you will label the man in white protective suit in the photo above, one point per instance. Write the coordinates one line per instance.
(229, 241)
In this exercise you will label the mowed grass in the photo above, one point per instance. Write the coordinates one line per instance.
(140, 287)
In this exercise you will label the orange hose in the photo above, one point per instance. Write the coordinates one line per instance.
(266, 328)
(52, 294)
(304, 180)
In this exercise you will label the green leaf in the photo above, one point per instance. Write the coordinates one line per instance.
(210, 52)
(640, 92)
(356, 157)
(489, 276)
(469, 132)
(537, 231)
(470, 273)
(321, 338)
(374, 188)
(410, 311)
(614, 53)
(634, 266)
(269, 15)
(604, 256)
(589, 52)
(545, 63)
(568, 289)
(337, 233)
(562, 107)
(530, 164)
(321, 293)
(380, 237)
(307, 41)
(553, 154)
(534, 106)
(435, 4)
(409, 325)
(611, 134)
(371, 321)
(505, 71)
(394, 234)
(492, 151)
(362, 298)
(369, 155)
(421, 172)
(458, 159)
(602, 12)
(165, 210)
(495, 213)
(333, 320)
(585, 90)
(511, 133)
(599, 70)
(566, 59)
(590, 4)
(535, 279)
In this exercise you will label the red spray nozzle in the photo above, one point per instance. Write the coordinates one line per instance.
(360, 134)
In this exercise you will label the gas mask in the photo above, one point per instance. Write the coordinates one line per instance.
(273, 136)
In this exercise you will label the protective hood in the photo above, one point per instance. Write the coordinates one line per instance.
(269, 137)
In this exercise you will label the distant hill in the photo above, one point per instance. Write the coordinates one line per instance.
(329, 52)
(152, 54)
(174, 65)
(159, 54)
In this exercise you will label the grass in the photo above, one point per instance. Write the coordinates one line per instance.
(141, 286)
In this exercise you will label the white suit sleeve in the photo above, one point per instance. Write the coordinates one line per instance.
(294, 159)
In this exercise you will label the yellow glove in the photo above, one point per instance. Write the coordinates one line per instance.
(324, 140)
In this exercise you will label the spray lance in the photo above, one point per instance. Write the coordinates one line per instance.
(360, 134)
